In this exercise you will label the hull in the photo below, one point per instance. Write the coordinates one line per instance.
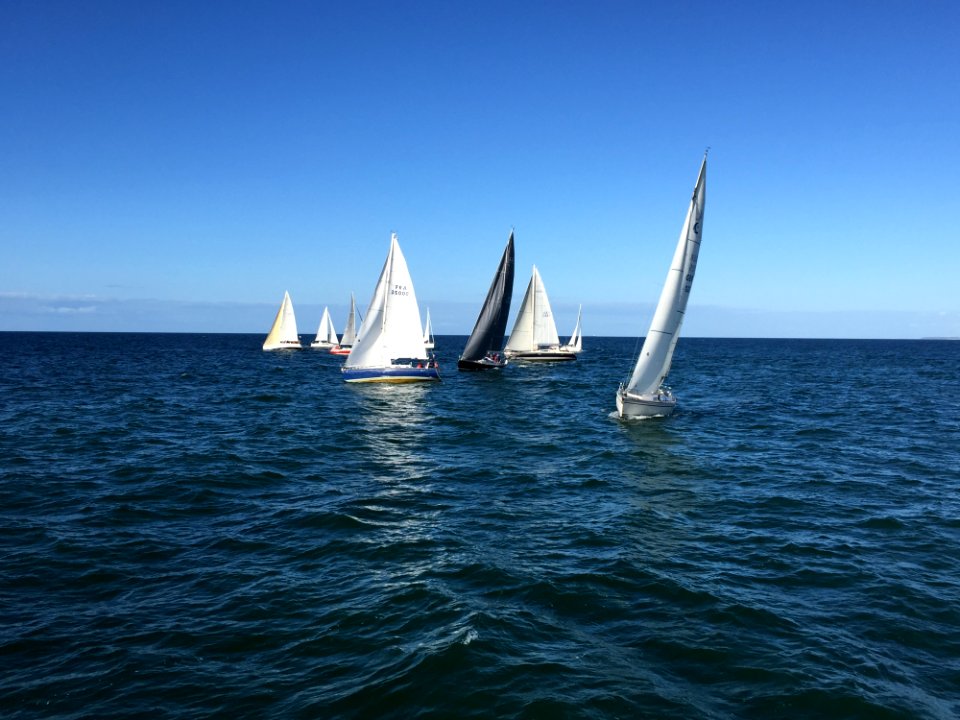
(339, 350)
(544, 356)
(390, 374)
(639, 406)
(482, 364)
(284, 345)
(322, 344)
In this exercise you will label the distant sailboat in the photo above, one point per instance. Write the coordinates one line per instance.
(428, 341)
(645, 395)
(349, 332)
(534, 335)
(390, 347)
(484, 348)
(326, 334)
(283, 334)
(575, 344)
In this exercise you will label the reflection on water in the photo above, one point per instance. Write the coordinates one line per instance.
(392, 423)
(393, 427)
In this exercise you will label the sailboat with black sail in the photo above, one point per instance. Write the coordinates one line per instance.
(390, 347)
(645, 394)
(484, 348)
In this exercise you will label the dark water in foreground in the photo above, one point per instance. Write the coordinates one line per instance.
(190, 527)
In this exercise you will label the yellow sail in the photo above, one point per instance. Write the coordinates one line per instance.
(283, 334)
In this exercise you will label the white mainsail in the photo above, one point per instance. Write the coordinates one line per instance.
(653, 365)
(391, 329)
(534, 328)
(326, 334)
(428, 341)
(283, 334)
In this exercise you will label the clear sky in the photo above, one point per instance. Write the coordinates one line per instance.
(175, 166)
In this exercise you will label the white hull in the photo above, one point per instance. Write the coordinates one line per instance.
(323, 344)
(630, 406)
(554, 355)
(283, 345)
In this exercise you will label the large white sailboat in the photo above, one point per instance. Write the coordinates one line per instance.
(390, 347)
(326, 334)
(349, 332)
(283, 334)
(534, 335)
(645, 394)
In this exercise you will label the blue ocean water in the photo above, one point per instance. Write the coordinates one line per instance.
(190, 527)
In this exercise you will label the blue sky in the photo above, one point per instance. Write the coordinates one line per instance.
(175, 166)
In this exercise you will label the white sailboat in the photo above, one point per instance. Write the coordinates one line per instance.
(645, 395)
(575, 343)
(326, 334)
(283, 334)
(349, 332)
(428, 342)
(534, 335)
(390, 347)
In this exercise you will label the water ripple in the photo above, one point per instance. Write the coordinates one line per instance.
(192, 527)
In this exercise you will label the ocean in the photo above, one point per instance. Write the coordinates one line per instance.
(192, 527)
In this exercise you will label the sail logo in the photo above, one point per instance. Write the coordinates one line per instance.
(399, 290)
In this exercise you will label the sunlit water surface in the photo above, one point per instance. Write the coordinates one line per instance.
(192, 527)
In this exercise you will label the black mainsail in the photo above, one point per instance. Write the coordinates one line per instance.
(487, 335)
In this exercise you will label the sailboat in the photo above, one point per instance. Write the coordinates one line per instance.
(484, 346)
(645, 395)
(534, 335)
(390, 347)
(575, 343)
(326, 334)
(349, 332)
(283, 334)
(428, 341)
